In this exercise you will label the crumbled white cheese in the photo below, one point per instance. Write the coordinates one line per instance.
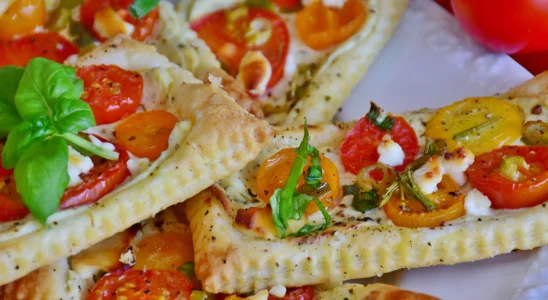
(329, 3)
(215, 81)
(77, 164)
(255, 72)
(137, 165)
(456, 163)
(127, 257)
(477, 204)
(428, 176)
(278, 291)
(105, 145)
(105, 131)
(390, 152)
(108, 23)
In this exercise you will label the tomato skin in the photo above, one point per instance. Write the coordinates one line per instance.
(112, 92)
(146, 134)
(301, 293)
(22, 17)
(11, 205)
(359, 148)
(164, 251)
(287, 5)
(101, 180)
(485, 176)
(507, 26)
(143, 26)
(136, 284)
(214, 30)
(45, 44)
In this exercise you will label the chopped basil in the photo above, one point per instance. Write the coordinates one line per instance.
(287, 203)
(141, 8)
(188, 270)
(350, 189)
(377, 117)
(364, 201)
(434, 147)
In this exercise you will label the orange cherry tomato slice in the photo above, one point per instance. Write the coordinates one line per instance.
(105, 176)
(46, 44)
(112, 92)
(227, 39)
(146, 134)
(143, 27)
(321, 27)
(22, 17)
(274, 171)
(449, 206)
(485, 175)
(142, 285)
(164, 251)
(359, 148)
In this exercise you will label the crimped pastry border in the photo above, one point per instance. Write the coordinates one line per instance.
(223, 138)
(229, 261)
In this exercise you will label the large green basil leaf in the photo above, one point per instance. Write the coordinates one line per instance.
(9, 117)
(41, 176)
(21, 137)
(141, 8)
(72, 115)
(43, 83)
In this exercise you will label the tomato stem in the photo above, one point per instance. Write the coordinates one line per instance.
(89, 146)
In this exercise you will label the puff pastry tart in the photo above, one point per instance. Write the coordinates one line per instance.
(352, 200)
(92, 148)
(296, 58)
(155, 258)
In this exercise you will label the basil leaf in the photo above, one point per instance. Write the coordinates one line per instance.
(9, 117)
(350, 189)
(42, 84)
(22, 137)
(141, 8)
(364, 201)
(314, 173)
(300, 203)
(307, 228)
(277, 214)
(72, 115)
(378, 118)
(188, 270)
(41, 176)
(10, 77)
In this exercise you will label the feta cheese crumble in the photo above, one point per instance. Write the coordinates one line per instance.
(278, 291)
(77, 164)
(477, 204)
(456, 163)
(429, 175)
(328, 3)
(390, 152)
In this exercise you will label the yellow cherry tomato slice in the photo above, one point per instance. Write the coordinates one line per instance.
(479, 124)
(22, 17)
(411, 213)
(321, 27)
(274, 171)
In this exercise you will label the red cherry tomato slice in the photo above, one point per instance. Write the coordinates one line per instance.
(4, 172)
(112, 92)
(142, 285)
(105, 176)
(46, 44)
(301, 293)
(11, 206)
(485, 175)
(507, 26)
(227, 39)
(143, 26)
(359, 148)
(287, 5)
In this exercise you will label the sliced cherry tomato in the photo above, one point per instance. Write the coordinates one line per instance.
(505, 25)
(4, 172)
(146, 134)
(112, 92)
(164, 251)
(300, 293)
(22, 17)
(359, 148)
(46, 44)
(483, 124)
(411, 213)
(227, 39)
(136, 284)
(288, 5)
(11, 205)
(321, 27)
(105, 176)
(274, 171)
(485, 175)
(143, 26)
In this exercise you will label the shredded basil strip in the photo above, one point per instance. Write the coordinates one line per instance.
(376, 117)
(188, 270)
(364, 201)
(141, 8)
(287, 203)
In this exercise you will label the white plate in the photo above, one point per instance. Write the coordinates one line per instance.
(430, 62)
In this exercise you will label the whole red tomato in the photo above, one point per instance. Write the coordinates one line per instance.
(509, 26)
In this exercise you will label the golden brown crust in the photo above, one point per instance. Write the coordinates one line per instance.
(222, 139)
(377, 291)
